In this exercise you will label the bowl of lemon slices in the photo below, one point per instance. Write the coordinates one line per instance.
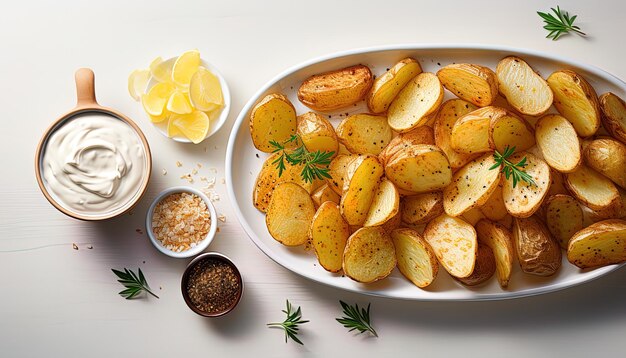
(185, 97)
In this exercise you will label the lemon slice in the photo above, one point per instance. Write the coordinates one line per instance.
(194, 126)
(160, 118)
(185, 66)
(154, 101)
(205, 90)
(161, 70)
(137, 82)
(172, 130)
(179, 103)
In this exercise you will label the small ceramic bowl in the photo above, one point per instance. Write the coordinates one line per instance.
(187, 273)
(202, 245)
(215, 124)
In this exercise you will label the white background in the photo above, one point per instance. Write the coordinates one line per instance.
(60, 302)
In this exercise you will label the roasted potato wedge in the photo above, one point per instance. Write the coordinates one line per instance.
(494, 208)
(369, 255)
(490, 128)
(525, 199)
(337, 170)
(592, 188)
(336, 89)
(417, 100)
(576, 100)
(608, 157)
(473, 83)
(325, 193)
(617, 211)
(289, 214)
(385, 205)
(471, 186)
(484, 268)
(272, 119)
(498, 238)
(317, 133)
(558, 142)
(564, 217)
(419, 135)
(419, 168)
(599, 244)
(268, 178)
(359, 188)
(421, 208)
(538, 252)
(416, 259)
(454, 242)
(614, 115)
(364, 133)
(329, 233)
(447, 116)
(522, 87)
(388, 85)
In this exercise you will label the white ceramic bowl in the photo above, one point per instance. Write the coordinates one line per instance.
(217, 123)
(202, 245)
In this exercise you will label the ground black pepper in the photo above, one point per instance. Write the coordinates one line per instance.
(213, 286)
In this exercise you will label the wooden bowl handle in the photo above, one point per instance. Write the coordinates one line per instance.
(85, 87)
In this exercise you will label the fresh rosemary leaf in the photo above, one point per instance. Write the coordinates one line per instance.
(356, 319)
(511, 170)
(291, 324)
(134, 283)
(314, 164)
(559, 25)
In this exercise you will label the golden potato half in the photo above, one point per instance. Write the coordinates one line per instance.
(369, 255)
(564, 217)
(359, 188)
(473, 83)
(447, 116)
(329, 233)
(336, 89)
(388, 85)
(272, 119)
(499, 239)
(558, 142)
(576, 100)
(289, 214)
(419, 168)
(522, 87)
(419, 135)
(417, 100)
(614, 115)
(454, 242)
(525, 199)
(416, 259)
(317, 133)
(599, 244)
(364, 133)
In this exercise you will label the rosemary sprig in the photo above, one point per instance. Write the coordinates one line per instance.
(355, 318)
(510, 169)
(291, 323)
(134, 283)
(314, 164)
(559, 25)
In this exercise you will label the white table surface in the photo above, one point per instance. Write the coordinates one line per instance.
(59, 302)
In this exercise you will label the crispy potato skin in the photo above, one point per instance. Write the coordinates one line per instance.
(272, 119)
(369, 255)
(614, 115)
(473, 83)
(336, 89)
(387, 86)
(289, 214)
(538, 252)
(608, 157)
(416, 259)
(517, 80)
(484, 268)
(576, 100)
(599, 244)
(317, 133)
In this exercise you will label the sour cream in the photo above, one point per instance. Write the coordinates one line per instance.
(94, 164)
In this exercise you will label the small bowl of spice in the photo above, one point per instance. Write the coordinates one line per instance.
(212, 285)
(181, 222)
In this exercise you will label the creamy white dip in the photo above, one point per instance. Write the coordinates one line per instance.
(94, 164)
